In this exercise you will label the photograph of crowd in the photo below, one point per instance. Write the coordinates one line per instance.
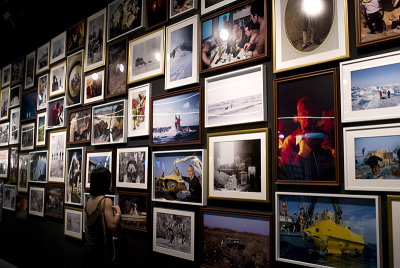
(124, 16)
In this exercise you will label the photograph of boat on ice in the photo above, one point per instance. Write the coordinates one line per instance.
(328, 230)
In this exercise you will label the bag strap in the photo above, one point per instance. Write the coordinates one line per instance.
(103, 221)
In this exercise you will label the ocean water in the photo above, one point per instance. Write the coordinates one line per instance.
(171, 135)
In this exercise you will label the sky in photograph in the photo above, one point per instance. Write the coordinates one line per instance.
(376, 143)
(165, 163)
(380, 75)
(182, 35)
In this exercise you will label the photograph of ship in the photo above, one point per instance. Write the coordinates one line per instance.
(73, 180)
(235, 240)
(134, 210)
(180, 54)
(124, 16)
(176, 118)
(375, 88)
(334, 231)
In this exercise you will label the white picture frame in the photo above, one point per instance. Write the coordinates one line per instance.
(74, 169)
(36, 201)
(4, 153)
(105, 156)
(57, 147)
(27, 136)
(56, 118)
(73, 218)
(207, 7)
(95, 25)
(6, 75)
(138, 123)
(30, 61)
(15, 96)
(127, 157)
(57, 72)
(393, 206)
(43, 58)
(9, 200)
(14, 125)
(5, 103)
(98, 78)
(40, 124)
(4, 133)
(42, 92)
(38, 159)
(58, 47)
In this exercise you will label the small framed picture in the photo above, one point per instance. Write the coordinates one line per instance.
(73, 218)
(27, 136)
(41, 129)
(182, 59)
(138, 110)
(43, 58)
(146, 56)
(56, 113)
(54, 200)
(57, 146)
(109, 123)
(74, 82)
(4, 163)
(37, 168)
(4, 133)
(95, 159)
(116, 68)
(5, 103)
(15, 96)
(393, 206)
(36, 201)
(30, 70)
(42, 91)
(173, 232)
(179, 7)
(180, 177)
(75, 170)
(13, 172)
(80, 123)
(9, 196)
(95, 40)
(76, 37)
(135, 210)
(210, 5)
(14, 125)
(28, 105)
(57, 79)
(57, 45)
(22, 207)
(6, 75)
(132, 164)
(236, 97)
(94, 87)
(23, 172)
(177, 124)
(156, 13)
(17, 71)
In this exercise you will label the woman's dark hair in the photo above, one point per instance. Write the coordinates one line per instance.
(100, 181)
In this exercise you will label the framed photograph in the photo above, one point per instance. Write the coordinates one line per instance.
(238, 165)
(14, 125)
(95, 40)
(173, 232)
(124, 17)
(17, 71)
(54, 200)
(182, 60)
(116, 68)
(1, 200)
(132, 164)
(57, 146)
(23, 172)
(30, 70)
(179, 7)
(96, 158)
(235, 238)
(75, 170)
(179, 177)
(80, 123)
(36, 201)
(113, 198)
(74, 82)
(230, 37)
(393, 206)
(146, 56)
(42, 91)
(6, 75)
(180, 123)
(15, 96)
(57, 79)
(109, 123)
(138, 110)
(307, 129)
(56, 113)
(4, 133)
(297, 40)
(94, 87)
(37, 167)
(22, 206)
(135, 210)
(156, 13)
(41, 129)
(27, 136)
(236, 97)
(13, 172)
(9, 196)
(43, 58)
(28, 105)
(76, 37)
(211, 5)
(5, 103)
(307, 223)
(57, 46)
(4, 163)
(73, 218)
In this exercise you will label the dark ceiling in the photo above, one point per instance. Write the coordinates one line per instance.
(27, 24)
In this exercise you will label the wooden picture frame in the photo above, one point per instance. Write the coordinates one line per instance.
(57, 148)
(79, 125)
(43, 58)
(76, 37)
(116, 71)
(54, 200)
(95, 46)
(178, 8)
(156, 13)
(74, 79)
(58, 47)
(135, 210)
(131, 167)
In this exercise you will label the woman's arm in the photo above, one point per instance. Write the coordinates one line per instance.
(111, 219)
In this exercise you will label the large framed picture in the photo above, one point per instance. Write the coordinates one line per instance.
(306, 33)
(54, 200)
(9, 196)
(41, 129)
(207, 6)
(235, 238)
(307, 129)
(28, 105)
(344, 229)
(6, 75)
(135, 210)
(17, 71)
(15, 96)
(173, 232)
(57, 47)
(74, 82)
(57, 79)
(146, 56)
(42, 91)
(368, 88)
(80, 124)
(109, 123)
(180, 123)
(74, 172)
(236, 35)
(76, 37)
(56, 113)
(37, 167)
(43, 58)
(236, 97)
(132, 164)
(14, 125)
(179, 177)
(22, 207)
(93, 90)
(57, 145)
(30, 70)
(393, 206)
(4, 163)
(97, 158)
(95, 40)
(5, 103)
(238, 165)
(116, 68)
(156, 13)
(124, 17)
(4, 133)
(73, 218)
(181, 66)
(23, 172)
(139, 110)
(27, 136)
(13, 163)
(180, 7)
(36, 201)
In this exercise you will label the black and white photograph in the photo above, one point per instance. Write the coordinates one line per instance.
(37, 168)
(124, 16)
(95, 40)
(74, 174)
(54, 200)
(57, 79)
(23, 173)
(132, 167)
(13, 163)
(74, 80)
(9, 196)
(116, 68)
(146, 56)
(76, 37)
(15, 96)
(6, 75)
(179, 7)
(57, 141)
(210, 5)
(30, 70)
(55, 113)
(43, 58)
(4, 163)
(4, 105)
(17, 71)
(27, 136)
(43, 89)
(36, 201)
(173, 232)
(14, 126)
(4, 133)
(58, 47)
(73, 222)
